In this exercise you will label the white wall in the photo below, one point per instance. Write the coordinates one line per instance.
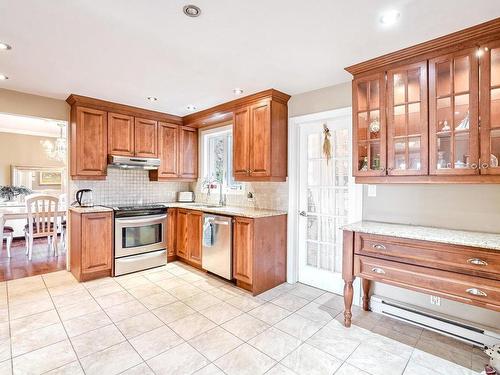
(467, 207)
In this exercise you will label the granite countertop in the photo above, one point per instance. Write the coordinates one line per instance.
(89, 210)
(450, 236)
(252, 213)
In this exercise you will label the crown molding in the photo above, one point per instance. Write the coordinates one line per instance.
(104, 105)
(475, 35)
(224, 112)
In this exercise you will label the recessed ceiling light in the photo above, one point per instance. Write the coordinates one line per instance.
(237, 91)
(4, 46)
(3, 77)
(191, 10)
(191, 108)
(390, 17)
(152, 98)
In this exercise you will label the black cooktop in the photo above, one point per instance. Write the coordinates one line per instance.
(139, 210)
(138, 207)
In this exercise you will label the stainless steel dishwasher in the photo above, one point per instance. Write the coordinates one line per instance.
(217, 255)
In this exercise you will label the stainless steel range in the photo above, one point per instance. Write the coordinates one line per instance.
(140, 238)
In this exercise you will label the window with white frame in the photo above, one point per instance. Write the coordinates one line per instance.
(217, 159)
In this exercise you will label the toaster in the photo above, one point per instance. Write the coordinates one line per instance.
(185, 196)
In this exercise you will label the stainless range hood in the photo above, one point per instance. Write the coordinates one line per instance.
(126, 162)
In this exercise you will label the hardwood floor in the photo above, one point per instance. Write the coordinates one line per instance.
(19, 266)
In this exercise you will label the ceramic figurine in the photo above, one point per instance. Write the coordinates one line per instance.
(374, 126)
(445, 127)
(464, 124)
(493, 161)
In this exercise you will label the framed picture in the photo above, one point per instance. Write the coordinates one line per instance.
(50, 178)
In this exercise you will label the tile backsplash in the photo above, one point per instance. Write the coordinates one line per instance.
(266, 195)
(129, 186)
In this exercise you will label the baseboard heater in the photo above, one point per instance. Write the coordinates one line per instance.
(460, 330)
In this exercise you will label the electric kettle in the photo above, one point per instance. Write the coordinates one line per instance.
(84, 198)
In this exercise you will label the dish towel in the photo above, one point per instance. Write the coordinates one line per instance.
(208, 234)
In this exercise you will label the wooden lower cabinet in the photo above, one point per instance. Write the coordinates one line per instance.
(181, 231)
(188, 241)
(91, 236)
(171, 233)
(243, 250)
(194, 233)
(259, 252)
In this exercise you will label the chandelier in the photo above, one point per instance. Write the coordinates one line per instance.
(56, 150)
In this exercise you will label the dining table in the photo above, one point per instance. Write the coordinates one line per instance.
(20, 212)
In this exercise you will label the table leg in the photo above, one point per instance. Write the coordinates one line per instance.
(366, 294)
(348, 294)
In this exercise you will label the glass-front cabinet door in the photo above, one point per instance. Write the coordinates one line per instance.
(453, 114)
(490, 108)
(369, 138)
(407, 127)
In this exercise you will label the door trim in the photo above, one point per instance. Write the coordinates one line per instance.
(293, 188)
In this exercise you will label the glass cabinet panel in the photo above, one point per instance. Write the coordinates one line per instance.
(407, 119)
(453, 101)
(369, 133)
(490, 110)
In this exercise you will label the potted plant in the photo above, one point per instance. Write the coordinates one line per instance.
(8, 193)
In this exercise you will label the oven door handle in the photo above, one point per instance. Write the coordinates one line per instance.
(144, 220)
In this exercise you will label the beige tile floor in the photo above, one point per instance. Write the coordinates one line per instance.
(177, 320)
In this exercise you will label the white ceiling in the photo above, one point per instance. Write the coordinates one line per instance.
(29, 125)
(126, 50)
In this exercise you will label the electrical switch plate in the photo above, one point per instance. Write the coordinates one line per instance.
(372, 190)
(435, 300)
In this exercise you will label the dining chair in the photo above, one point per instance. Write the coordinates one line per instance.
(7, 233)
(62, 225)
(42, 213)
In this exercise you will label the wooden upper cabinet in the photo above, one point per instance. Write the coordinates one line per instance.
(243, 243)
(145, 133)
(89, 141)
(407, 125)
(168, 151)
(188, 153)
(194, 234)
(241, 136)
(454, 113)
(260, 138)
(369, 130)
(490, 108)
(120, 134)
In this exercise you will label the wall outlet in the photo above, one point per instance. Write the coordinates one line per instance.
(436, 300)
(372, 190)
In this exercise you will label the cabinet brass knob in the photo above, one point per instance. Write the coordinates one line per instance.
(380, 271)
(484, 165)
(379, 246)
(477, 262)
(476, 292)
(473, 166)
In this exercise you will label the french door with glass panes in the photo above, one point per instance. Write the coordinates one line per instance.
(327, 200)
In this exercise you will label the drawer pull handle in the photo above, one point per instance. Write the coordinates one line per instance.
(476, 292)
(380, 271)
(378, 246)
(477, 262)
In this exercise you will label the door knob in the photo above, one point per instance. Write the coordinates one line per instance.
(303, 213)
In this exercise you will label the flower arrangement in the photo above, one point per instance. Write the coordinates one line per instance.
(494, 353)
(9, 192)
